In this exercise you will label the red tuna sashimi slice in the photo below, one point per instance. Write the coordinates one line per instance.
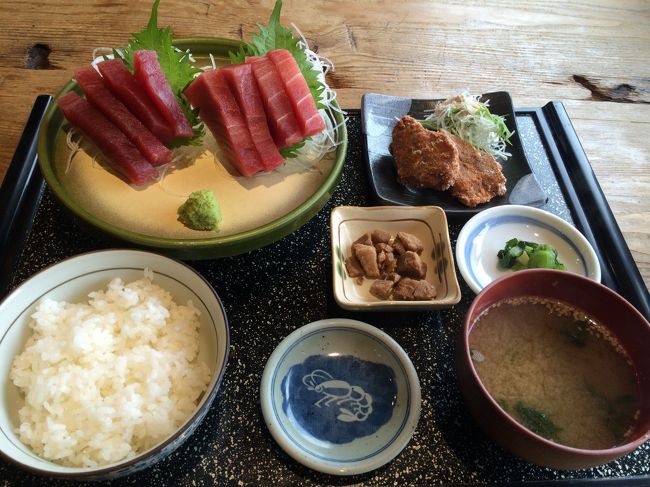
(244, 87)
(296, 87)
(125, 156)
(279, 112)
(126, 89)
(101, 98)
(151, 76)
(219, 110)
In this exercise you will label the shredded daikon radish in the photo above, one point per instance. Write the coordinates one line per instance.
(318, 145)
(468, 118)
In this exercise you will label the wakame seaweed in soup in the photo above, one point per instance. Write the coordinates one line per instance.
(556, 371)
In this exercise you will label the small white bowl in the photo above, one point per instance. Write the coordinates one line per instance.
(428, 223)
(340, 396)
(485, 234)
(71, 280)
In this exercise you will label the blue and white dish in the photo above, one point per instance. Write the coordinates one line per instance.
(485, 234)
(340, 396)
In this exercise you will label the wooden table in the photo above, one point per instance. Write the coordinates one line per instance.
(593, 56)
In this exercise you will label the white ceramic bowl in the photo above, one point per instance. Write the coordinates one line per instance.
(428, 223)
(340, 396)
(485, 234)
(71, 280)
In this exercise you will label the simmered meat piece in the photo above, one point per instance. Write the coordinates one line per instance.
(394, 276)
(424, 158)
(410, 264)
(380, 236)
(479, 178)
(408, 289)
(364, 239)
(353, 266)
(382, 288)
(367, 256)
(387, 262)
(410, 242)
(393, 263)
(383, 247)
(398, 247)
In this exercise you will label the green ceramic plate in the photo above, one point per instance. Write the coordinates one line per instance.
(256, 211)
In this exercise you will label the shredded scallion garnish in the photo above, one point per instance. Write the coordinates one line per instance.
(471, 120)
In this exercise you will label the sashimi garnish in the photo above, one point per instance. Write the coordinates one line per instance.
(312, 66)
(176, 64)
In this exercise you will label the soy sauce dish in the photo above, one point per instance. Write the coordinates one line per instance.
(340, 396)
(554, 367)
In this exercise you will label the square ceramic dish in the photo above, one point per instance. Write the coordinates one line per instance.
(380, 113)
(428, 223)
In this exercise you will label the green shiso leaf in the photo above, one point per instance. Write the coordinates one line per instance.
(275, 36)
(176, 65)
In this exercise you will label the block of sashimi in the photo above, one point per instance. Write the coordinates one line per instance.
(126, 89)
(279, 111)
(111, 141)
(218, 109)
(150, 75)
(99, 96)
(303, 103)
(243, 86)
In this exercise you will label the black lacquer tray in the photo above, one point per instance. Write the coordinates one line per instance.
(268, 293)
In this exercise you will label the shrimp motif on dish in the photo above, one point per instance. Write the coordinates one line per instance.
(354, 403)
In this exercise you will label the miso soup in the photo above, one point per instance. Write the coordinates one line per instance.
(556, 371)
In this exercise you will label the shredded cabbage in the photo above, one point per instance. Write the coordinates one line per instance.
(468, 118)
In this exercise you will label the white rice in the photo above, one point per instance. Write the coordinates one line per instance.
(109, 379)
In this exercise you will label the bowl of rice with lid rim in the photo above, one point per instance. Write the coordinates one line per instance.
(109, 360)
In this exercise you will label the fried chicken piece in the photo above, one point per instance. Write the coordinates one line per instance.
(479, 178)
(424, 158)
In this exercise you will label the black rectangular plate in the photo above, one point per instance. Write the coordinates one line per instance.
(380, 113)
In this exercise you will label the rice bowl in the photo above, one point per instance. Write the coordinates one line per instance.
(176, 409)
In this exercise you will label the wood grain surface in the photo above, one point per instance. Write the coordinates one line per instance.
(594, 56)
